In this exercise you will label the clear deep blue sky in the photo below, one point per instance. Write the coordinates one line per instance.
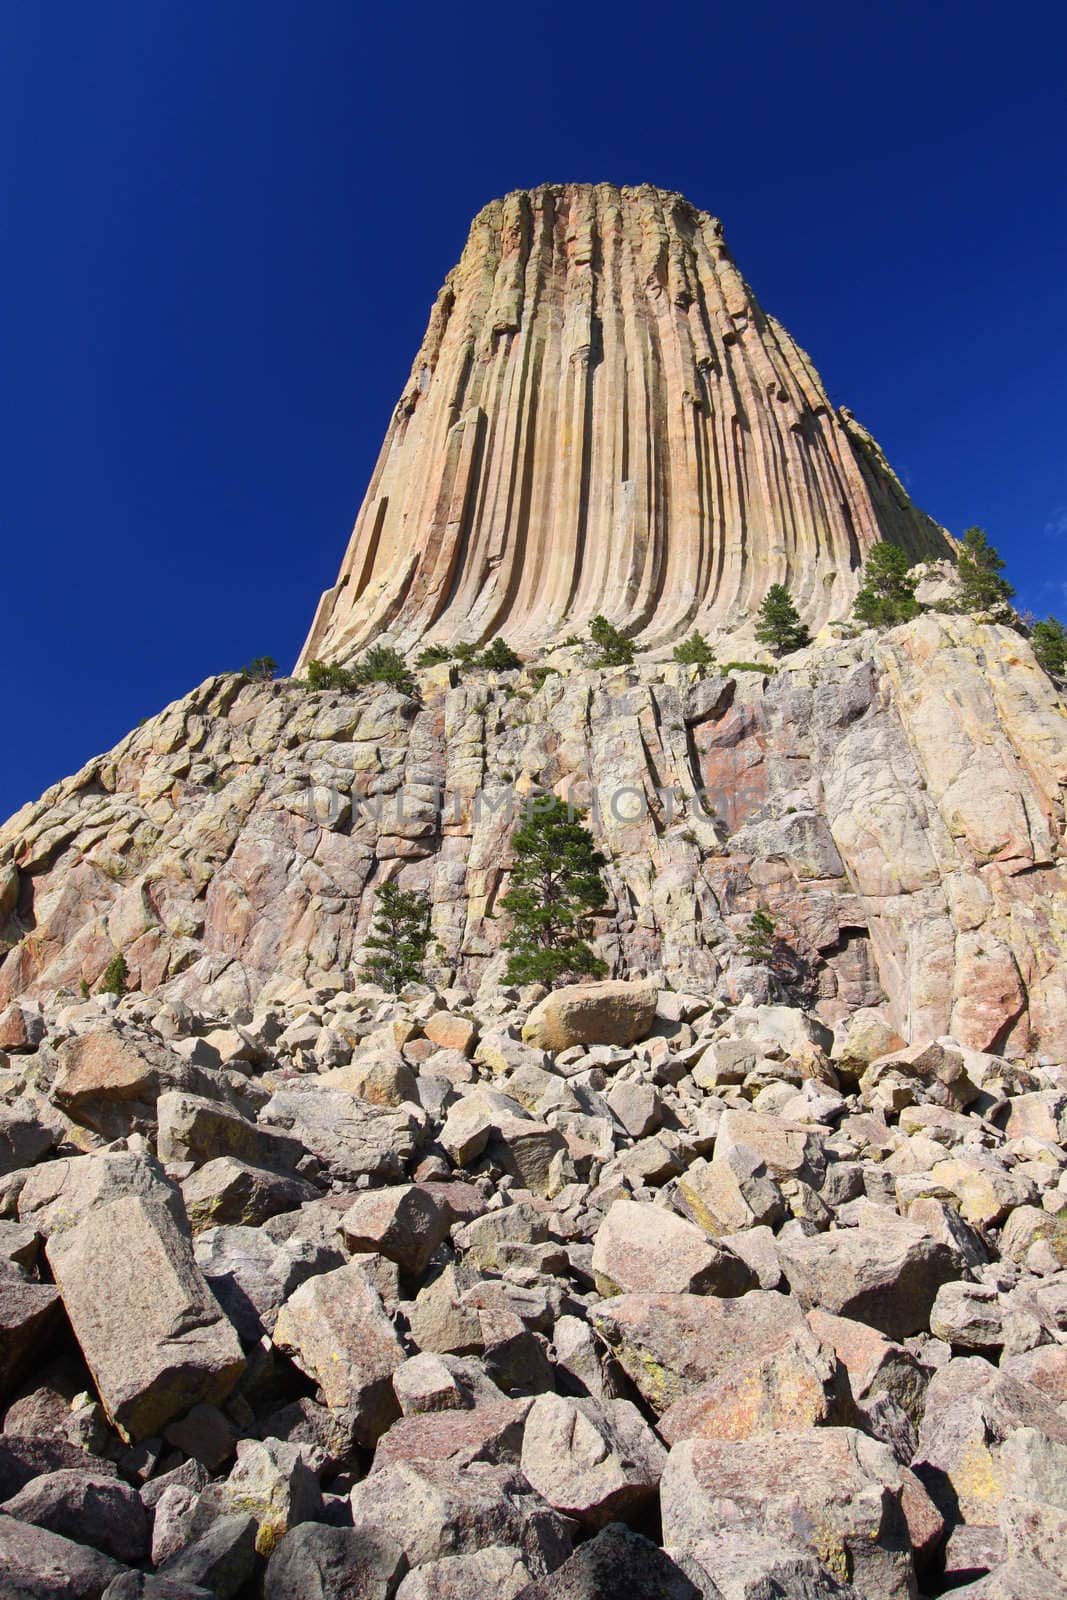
(224, 224)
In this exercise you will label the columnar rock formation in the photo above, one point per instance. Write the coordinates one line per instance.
(601, 418)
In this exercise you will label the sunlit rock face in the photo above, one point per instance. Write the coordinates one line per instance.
(602, 418)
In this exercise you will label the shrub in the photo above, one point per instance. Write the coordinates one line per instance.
(399, 937)
(324, 675)
(555, 885)
(538, 675)
(888, 593)
(383, 664)
(262, 669)
(433, 656)
(499, 657)
(613, 649)
(695, 652)
(1049, 641)
(981, 588)
(465, 653)
(115, 977)
(779, 622)
(750, 666)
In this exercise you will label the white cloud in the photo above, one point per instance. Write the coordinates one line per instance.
(1057, 524)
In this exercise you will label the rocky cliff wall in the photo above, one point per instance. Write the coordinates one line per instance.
(601, 418)
(897, 800)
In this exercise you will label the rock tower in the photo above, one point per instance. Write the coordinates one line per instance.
(602, 418)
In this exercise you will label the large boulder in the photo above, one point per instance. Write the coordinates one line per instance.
(613, 1012)
(336, 1329)
(155, 1338)
(36, 1564)
(29, 1314)
(674, 1345)
(830, 1491)
(885, 1273)
(313, 1562)
(646, 1249)
(597, 1463)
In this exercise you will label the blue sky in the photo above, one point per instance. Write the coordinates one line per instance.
(224, 224)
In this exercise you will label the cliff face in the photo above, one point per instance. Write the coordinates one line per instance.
(897, 801)
(601, 418)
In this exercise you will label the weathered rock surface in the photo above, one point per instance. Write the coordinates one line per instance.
(152, 1333)
(598, 315)
(363, 1294)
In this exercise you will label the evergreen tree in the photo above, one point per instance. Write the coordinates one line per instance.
(613, 649)
(555, 884)
(888, 593)
(116, 974)
(383, 664)
(399, 937)
(759, 938)
(500, 657)
(262, 669)
(979, 568)
(1049, 641)
(433, 656)
(779, 622)
(695, 652)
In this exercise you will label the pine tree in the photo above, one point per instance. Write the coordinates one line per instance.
(695, 652)
(262, 669)
(400, 937)
(979, 568)
(115, 977)
(1049, 641)
(499, 657)
(555, 884)
(888, 593)
(779, 622)
(759, 938)
(613, 649)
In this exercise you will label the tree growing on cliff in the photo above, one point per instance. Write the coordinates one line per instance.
(612, 648)
(399, 937)
(116, 975)
(555, 886)
(695, 652)
(888, 593)
(979, 569)
(261, 670)
(1049, 642)
(779, 622)
(499, 657)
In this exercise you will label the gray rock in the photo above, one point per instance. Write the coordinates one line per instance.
(886, 1273)
(29, 1315)
(351, 1137)
(192, 1128)
(36, 1564)
(435, 1509)
(227, 1190)
(831, 1491)
(616, 1565)
(646, 1249)
(404, 1223)
(313, 1562)
(498, 1571)
(88, 1507)
(599, 1463)
(251, 1277)
(337, 1331)
(222, 1559)
(153, 1335)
